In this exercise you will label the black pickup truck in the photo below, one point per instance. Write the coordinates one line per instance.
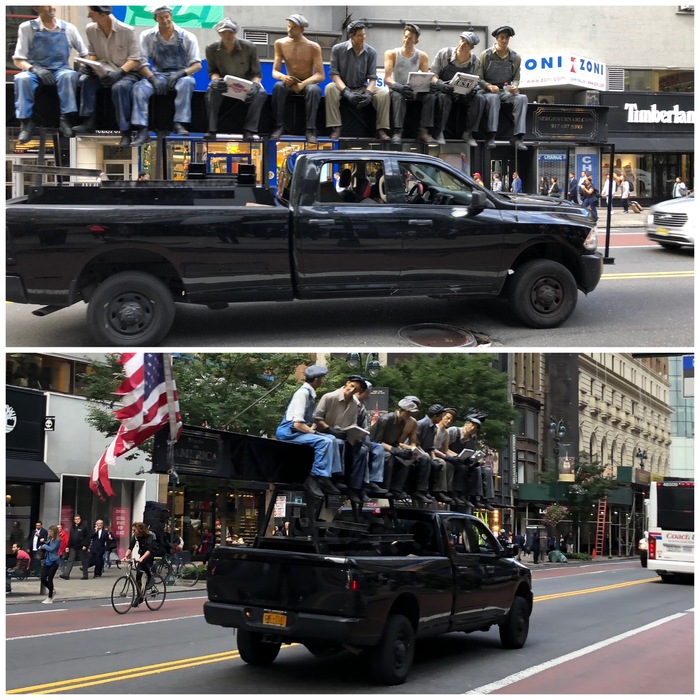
(369, 581)
(342, 224)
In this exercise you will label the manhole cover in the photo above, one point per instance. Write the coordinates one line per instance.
(438, 335)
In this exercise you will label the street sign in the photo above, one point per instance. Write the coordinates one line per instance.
(688, 376)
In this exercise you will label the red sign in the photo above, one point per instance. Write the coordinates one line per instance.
(66, 517)
(121, 522)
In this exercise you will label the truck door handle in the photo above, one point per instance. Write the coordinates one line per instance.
(322, 222)
(420, 222)
(490, 569)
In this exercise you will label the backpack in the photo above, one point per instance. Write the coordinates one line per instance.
(156, 546)
(631, 184)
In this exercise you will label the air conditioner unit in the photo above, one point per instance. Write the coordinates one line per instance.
(545, 99)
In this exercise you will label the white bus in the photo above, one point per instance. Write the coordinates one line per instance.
(671, 528)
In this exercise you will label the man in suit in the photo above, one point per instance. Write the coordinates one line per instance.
(78, 544)
(572, 188)
(36, 539)
(98, 544)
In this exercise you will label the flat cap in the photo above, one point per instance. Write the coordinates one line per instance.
(414, 27)
(470, 37)
(436, 409)
(471, 418)
(298, 19)
(407, 405)
(161, 8)
(415, 400)
(359, 379)
(315, 371)
(354, 26)
(452, 411)
(227, 25)
(106, 9)
(505, 28)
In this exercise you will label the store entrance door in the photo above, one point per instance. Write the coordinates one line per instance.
(218, 164)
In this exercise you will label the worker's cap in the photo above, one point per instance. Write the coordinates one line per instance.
(436, 409)
(359, 379)
(315, 371)
(355, 26)
(451, 411)
(227, 25)
(161, 8)
(298, 19)
(477, 175)
(105, 9)
(470, 38)
(413, 27)
(415, 400)
(504, 29)
(407, 405)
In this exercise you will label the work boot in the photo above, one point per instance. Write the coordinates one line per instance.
(374, 489)
(421, 497)
(142, 136)
(396, 138)
(491, 141)
(125, 140)
(311, 136)
(517, 142)
(210, 135)
(312, 486)
(26, 129)
(327, 486)
(87, 127)
(249, 135)
(335, 133)
(469, 139)
(424, 136)
(382, 135)
(355, 497)
(277, 131)
(179, 129)
(64, 127)
(442, 497)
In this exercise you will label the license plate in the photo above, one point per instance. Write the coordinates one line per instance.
(662, 231)
(277, 619)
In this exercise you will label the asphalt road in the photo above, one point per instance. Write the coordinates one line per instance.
(597, 628)
(645, 299)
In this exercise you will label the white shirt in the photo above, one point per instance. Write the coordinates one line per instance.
(25, 35)
(298, 403)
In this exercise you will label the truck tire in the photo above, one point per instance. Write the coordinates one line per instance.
(391, 660)
(514, 630)
(130, 308)
(543, 293)
(254, 651)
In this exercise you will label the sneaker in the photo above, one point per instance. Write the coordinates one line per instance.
(469, 139)
(48, 601)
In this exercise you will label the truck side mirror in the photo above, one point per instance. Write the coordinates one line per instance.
(478, 203)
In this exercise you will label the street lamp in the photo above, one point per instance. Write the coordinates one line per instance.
(371, 364)
(557, 429)
(641, 456)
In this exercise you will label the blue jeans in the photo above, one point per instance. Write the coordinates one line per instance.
(326, 452)
(121, 97)
(184, 88)
(26, 84)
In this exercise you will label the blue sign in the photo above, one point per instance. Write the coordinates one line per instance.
(688, 363)
(590, 162)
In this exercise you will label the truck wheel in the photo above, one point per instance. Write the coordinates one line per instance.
(514, 630)
(391, 660)
(254, 651)
(543, 293)
(130, 308)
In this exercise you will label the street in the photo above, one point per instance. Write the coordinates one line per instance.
(646, 297)
(597, 627)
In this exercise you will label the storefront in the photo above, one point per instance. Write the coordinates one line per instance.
(653, 134)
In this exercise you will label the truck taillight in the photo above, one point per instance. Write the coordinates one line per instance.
(353, 581)
(651, 544)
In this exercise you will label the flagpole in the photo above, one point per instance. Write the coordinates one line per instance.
(172, 439)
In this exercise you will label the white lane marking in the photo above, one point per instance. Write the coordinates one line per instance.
(98, 629)
(527, 673)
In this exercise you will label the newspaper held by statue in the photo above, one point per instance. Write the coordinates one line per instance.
(355, 434)
(99, 67)
(238, 88)
(419, 81)
(464, 83)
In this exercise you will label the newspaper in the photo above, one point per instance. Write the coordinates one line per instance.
(355, 434)
(238, 88)
(464, 83)
(419, 81)
(98, 67)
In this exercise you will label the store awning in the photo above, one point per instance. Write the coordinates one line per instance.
(31, 471)
(652, 144)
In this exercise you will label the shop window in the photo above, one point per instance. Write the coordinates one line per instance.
(45, 373)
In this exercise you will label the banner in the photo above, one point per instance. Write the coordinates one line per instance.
(198, 16)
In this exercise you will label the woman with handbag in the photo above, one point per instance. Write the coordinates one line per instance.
(51, 560)
(554, 189)
(589, 197)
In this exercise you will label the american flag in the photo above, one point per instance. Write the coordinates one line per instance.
(149, 403)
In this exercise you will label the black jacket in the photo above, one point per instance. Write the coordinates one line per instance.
(43, 535)
(79, 536)
(98, 544)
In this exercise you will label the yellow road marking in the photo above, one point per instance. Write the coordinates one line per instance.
(113, 676)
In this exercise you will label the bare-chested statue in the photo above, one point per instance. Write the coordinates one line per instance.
(304, 65)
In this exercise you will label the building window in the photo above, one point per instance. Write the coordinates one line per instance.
(45, 373)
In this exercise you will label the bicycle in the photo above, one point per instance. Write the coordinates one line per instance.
(181, 574)
(126, 592)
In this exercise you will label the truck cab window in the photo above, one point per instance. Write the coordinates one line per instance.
(430, 184)
(352, 182)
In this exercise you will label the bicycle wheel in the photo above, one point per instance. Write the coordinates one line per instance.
(123, 594)
(155, 595)
(188, 574)
(160, 567)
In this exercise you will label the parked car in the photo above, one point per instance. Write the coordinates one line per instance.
(643, 547)
(672, 223)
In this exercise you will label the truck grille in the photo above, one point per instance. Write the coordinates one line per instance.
(670, 220)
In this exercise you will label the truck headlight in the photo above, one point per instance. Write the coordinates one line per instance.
(591, 242)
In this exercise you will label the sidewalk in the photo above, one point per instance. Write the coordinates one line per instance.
(28, 591)
(619, 219)
(544, 563)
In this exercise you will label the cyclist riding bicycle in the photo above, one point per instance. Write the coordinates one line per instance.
(145, 539)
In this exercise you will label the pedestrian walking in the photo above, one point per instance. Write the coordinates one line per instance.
(78, 543)
(679, 188)
(51, 560)
(98, 545)
(624, 188)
